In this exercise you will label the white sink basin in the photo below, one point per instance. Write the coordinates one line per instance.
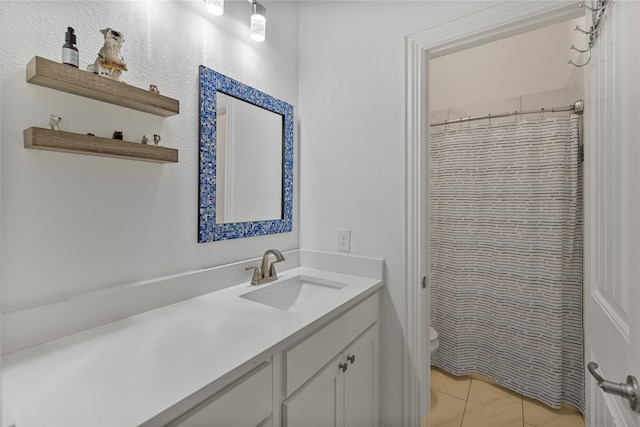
(294, 293)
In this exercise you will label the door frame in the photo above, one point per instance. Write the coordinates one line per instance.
(499, 21)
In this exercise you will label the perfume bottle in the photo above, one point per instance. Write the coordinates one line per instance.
(70, 54)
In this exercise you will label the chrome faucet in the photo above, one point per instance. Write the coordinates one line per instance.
(266, 273)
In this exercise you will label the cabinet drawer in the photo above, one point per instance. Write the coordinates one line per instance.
(246, 402)
(309, 356)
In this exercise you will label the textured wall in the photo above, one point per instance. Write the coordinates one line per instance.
(72, 223)
(352, 145)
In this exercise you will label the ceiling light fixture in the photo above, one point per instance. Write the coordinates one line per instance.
(258, 21)
(215, 7)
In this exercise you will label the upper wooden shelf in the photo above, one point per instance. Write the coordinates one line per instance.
(66, 78)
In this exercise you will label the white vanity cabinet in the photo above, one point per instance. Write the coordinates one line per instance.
(247, 402)
(221, 359)
(329, 378)
(344, 391)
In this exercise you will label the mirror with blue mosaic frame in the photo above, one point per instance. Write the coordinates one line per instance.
(246, 160)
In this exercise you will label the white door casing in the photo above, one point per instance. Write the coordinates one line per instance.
(612, 207)
(496, 22)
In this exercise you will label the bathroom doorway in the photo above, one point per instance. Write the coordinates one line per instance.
(612, 194)
(505, 217)
(494, 24)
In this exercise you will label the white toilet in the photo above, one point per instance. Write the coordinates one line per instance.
(434, 339)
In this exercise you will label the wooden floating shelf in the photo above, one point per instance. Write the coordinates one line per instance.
(69, 79)
(57, 140)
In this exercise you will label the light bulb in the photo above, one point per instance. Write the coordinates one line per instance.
(258, 21)
(258, 27)
(215, 7)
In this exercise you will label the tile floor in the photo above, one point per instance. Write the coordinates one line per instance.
(476, 401)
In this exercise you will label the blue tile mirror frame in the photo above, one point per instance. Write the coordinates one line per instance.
(211, 227)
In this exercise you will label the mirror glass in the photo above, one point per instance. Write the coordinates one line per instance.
(246, 160)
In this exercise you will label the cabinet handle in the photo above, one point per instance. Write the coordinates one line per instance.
(352, 358)
(343, 366)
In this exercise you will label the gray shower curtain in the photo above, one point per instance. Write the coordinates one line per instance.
(505, 205)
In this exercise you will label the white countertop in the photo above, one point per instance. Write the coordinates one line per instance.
(126, 372)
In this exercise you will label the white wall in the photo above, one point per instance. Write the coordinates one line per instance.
(352, 145)
(73, 224)
(530, 63)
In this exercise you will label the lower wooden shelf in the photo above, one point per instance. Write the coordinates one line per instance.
(68, 142)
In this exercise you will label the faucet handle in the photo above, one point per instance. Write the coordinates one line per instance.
(256, 274)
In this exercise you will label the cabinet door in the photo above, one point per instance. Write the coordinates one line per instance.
(309, 356)
(361, 381)
(320, 401)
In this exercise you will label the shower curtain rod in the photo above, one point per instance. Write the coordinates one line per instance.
(577, 107)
